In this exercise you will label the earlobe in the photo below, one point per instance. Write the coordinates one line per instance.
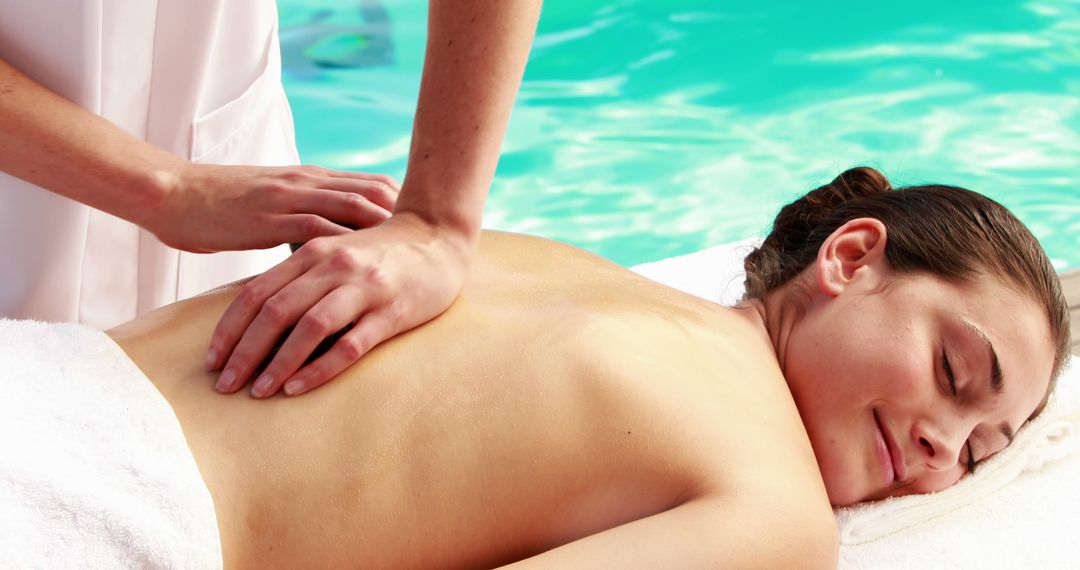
(856, 250)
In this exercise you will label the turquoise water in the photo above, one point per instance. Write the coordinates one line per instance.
(646, 129)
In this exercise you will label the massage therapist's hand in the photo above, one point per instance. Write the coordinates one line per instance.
(398, 275)
(209, 208)
(386, 279)
(51, 142)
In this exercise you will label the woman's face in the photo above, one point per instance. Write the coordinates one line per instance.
(872, 371)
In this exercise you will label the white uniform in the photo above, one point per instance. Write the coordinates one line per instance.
(200, 78)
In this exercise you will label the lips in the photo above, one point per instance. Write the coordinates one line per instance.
(894, 455)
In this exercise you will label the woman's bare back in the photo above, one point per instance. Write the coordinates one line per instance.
(560, 396)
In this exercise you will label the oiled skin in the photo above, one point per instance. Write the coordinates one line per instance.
(560, 395)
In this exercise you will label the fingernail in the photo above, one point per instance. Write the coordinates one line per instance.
(211, 359)
(225, 381)
(294, 387)
(262, 386)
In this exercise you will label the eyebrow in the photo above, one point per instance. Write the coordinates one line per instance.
(997, 384)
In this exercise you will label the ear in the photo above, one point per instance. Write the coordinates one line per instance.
(855, 251)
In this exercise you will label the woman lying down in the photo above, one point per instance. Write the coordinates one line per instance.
(566, 413)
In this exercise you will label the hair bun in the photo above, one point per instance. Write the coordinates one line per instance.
(861, 181)
(795, 222)
(851, 184)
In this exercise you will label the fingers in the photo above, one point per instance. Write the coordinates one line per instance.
(237, 318)
(330, 315)
(278, 314)
(379, 193)
(297, 228)
(385, 179)
(372, 329)
(315, 200)
(343, 207)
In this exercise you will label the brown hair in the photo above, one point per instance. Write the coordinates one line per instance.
(943, 230)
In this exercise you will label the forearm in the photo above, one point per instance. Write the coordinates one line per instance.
(476, 54)
(53, 143)
(706, 533)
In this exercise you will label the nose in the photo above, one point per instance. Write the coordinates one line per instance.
(939, 445)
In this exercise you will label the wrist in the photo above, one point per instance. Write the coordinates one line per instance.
(153, 187)
(460, 238)
(451, 205)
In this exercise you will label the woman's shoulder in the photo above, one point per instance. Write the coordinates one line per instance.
(712, 386)
(708, 400)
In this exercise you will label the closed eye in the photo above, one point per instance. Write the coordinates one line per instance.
(948, 371)
(951, 377)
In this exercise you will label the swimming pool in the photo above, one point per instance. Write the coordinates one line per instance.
(648, 128)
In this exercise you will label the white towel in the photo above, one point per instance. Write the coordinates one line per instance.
(94, 468)
(1020, 510)
(715, 273)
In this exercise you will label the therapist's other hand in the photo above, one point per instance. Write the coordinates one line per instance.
(387, 280)
(212, 208)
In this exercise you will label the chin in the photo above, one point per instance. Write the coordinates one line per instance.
(841, 487)
(842, 497)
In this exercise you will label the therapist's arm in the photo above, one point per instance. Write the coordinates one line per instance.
(391, 278)
(57, 145)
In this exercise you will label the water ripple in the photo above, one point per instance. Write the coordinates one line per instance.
(649, 129)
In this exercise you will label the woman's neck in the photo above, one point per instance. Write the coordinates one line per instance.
(775, 317)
